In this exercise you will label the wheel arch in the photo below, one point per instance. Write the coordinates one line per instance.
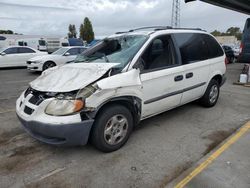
(133, 103)
(49, 61)
(218, 75)
(218, 78)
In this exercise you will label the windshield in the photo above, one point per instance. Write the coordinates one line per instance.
(42, 42)
(60, 51)
(120, 50)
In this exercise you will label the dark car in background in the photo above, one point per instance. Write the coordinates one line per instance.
(229, 53)
(244, 56)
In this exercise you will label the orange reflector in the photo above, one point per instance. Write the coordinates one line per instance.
(79, 104)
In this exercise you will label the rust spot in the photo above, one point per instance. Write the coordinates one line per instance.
(175, 173)
(216, 138)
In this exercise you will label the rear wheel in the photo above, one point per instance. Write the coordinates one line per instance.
(48, 64)
(112, 128)
(211, 95)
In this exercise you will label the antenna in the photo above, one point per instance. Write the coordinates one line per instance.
(176, 9)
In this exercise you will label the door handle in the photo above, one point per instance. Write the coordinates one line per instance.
(189, 75)
(178, 78)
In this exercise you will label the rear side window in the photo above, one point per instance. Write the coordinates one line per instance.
(11, 50)
(192, 47)
(26, 50)
(215, 49)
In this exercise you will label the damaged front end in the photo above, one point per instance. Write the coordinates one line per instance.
(54, 118)
(61, 105)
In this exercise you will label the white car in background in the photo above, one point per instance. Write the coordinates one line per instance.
(16, 56)
(59, 57)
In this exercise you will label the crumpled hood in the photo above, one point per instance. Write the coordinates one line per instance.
(44, 57)
(70, 77)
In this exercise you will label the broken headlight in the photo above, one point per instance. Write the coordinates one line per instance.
(63, 107)
(87, 91)
(67, 105)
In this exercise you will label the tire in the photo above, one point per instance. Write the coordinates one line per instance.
(108, 119)
(48, 64)
(211, 95)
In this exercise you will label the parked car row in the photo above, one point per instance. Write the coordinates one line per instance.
(34, 60)
(59, 57)
(230, 54)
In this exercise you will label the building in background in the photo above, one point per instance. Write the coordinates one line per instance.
(227, 40)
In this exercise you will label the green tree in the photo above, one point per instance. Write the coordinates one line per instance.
(72, 31)
(232, 31)
(235, 31)
(216, 33)
(86, 31)
(6, 32)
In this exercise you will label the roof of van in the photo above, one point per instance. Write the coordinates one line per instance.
(156, 29)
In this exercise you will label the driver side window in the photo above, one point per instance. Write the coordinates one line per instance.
(159, 54)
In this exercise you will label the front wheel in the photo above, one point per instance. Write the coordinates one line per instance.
(48, 64)
(112, 128)
(211, 95)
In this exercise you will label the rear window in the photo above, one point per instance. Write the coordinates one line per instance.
(26, 50)
(215, 49)
(192, 47)
(196, 47)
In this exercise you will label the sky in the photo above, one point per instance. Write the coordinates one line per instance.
(52, 17)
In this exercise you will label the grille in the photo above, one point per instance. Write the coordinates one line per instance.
(28, 110)
(37, 96)
(36, 100)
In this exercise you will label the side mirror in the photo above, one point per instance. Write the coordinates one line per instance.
(67, 54)
(140, 64)
(3, 54)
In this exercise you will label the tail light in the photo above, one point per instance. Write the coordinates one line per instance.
(226, 61)
(241, 47)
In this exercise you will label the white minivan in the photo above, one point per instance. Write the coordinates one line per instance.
(126, 78)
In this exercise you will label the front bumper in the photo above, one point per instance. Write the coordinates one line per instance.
(34, 66)
(62, 134)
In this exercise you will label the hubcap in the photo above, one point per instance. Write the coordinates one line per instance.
(213, 94)
(116, 129)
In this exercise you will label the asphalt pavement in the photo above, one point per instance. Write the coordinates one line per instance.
(158, 151)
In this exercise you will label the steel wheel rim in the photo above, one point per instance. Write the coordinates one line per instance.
(116, 129)
(213, 94)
